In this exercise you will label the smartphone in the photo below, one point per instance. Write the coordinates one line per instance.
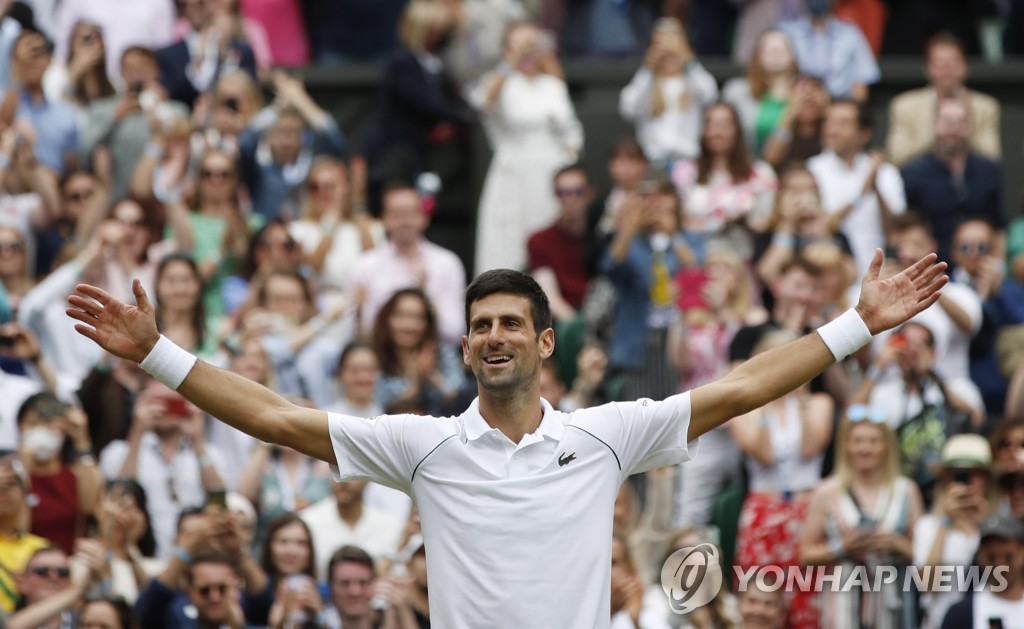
(962, 476)
(898, 341)
(6, 341)
(175, 407)
(217, 498)
(231, 103)
(137, 87)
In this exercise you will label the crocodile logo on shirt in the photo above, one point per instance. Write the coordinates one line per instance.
(565, 460)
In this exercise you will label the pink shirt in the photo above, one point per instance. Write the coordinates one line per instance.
(282, 21)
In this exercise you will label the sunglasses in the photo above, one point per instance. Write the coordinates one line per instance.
(205, 590)
(562, 193)
(863, 412)
(315, 187)
(44, 571)
(12, 247)
(967, 248)
(80, 195)
(1009, 482)
(207, 173)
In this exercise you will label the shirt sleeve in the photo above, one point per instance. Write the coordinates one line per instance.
(644, 434)
(385, 449)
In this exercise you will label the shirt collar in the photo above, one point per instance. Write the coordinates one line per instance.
(475, 426)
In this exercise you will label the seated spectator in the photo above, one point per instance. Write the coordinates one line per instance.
(108, 612)
(334, 226)
(300, 342)
(949, 536)
(146, 24)
(166, 452)
(783, 445)
(912, 114)
(859, 190)
(119, 124)
(66, 486)
(415, 109)
(954, 320)
(279, 480)
(599, 28)
(762, 97)
(626, 168)
(53, 585)
(17, 545)
(628, 591)
(358, 376)
(902, 386)
(668, 95)
(533, 129)
(271, 248)
(761, 607)
(352, 581)
(726, 192)
(50, 126)
(277, 149)
(180, 313)
(797, 137)
(344, 518)
(220, 116)
(415, 363)
(84, 78)
(649, 249)
(126, 531)
(1000, 603)
(287, 559)
(353, 30)
(952, 183)
(866, 514)
(555, 255)
(189, 67)
(1007, 442)
(409, 260)
(832, 50)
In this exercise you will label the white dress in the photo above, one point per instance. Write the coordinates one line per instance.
(533, 131)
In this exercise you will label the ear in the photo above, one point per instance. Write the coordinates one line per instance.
(465, 350)
(546, 343)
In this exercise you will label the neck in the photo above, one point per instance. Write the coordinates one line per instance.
(15, 283)
(574, 225)
(359, 401)
(848, 156)
(211, 206)
(517, 414)
(9, 525)
(356, 622)
(869, 479)
(35, 92)
(819, 22)
(44, 468)
(720, 162)
(408, 249)
(176, 317)
(350, 513)
(953, 156)
(1014, 590)
(780, 83)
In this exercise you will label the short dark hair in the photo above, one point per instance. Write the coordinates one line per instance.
(354, 347)
(517, 283)
(943, 38)
(148, 53)
(909, 220)
(215, 557)
(349, 554)
(865, 116)
(571, 168)
(395, 185)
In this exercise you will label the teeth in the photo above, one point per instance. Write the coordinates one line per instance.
(497, 359)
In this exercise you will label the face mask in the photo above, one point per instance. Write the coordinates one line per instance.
(44, 443)
(819, 8)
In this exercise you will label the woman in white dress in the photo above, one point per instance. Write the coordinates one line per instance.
(533, 131)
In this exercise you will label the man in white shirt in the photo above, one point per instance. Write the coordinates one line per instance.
(516, 499)
(859, 190)
(345, 519)
(1002, 550)
(409, 260)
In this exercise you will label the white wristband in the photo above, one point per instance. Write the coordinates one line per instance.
(845, 334)
(168, 363)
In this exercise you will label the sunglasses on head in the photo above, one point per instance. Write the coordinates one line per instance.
(205, 590)
(863, 412)
(44, 571)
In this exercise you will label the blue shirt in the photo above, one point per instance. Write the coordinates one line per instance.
(838, 55)
(56, 129)
(946, 201)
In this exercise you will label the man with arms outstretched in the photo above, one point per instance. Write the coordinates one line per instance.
(516, 499)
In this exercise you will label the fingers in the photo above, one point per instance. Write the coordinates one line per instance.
(875, 268)
(87, 332)
(919, 267)
(929, 275)
(98, 294)
(141, 298)
(86, 306)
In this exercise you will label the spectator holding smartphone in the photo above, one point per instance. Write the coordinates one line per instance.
(950, 534)
(166, 452)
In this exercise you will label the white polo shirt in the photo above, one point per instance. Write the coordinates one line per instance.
(517, 535)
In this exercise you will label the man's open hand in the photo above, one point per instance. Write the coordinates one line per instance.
(128, 332)
(887, 303)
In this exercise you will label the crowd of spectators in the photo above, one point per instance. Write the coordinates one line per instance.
(163, 141)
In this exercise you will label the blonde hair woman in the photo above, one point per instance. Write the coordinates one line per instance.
(864, 514)
(334, 226)
(667, 96)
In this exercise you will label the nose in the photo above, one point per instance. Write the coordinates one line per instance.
(495, 336)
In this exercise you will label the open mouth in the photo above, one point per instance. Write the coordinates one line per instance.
(500, 359)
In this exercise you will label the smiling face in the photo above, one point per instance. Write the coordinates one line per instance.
(866, 446)
(503, 348)
(290, 549)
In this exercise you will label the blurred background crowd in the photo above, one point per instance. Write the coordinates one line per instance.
(177, 143)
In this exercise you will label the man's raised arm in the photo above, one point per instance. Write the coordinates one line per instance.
(130, 332)
(883, 304)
